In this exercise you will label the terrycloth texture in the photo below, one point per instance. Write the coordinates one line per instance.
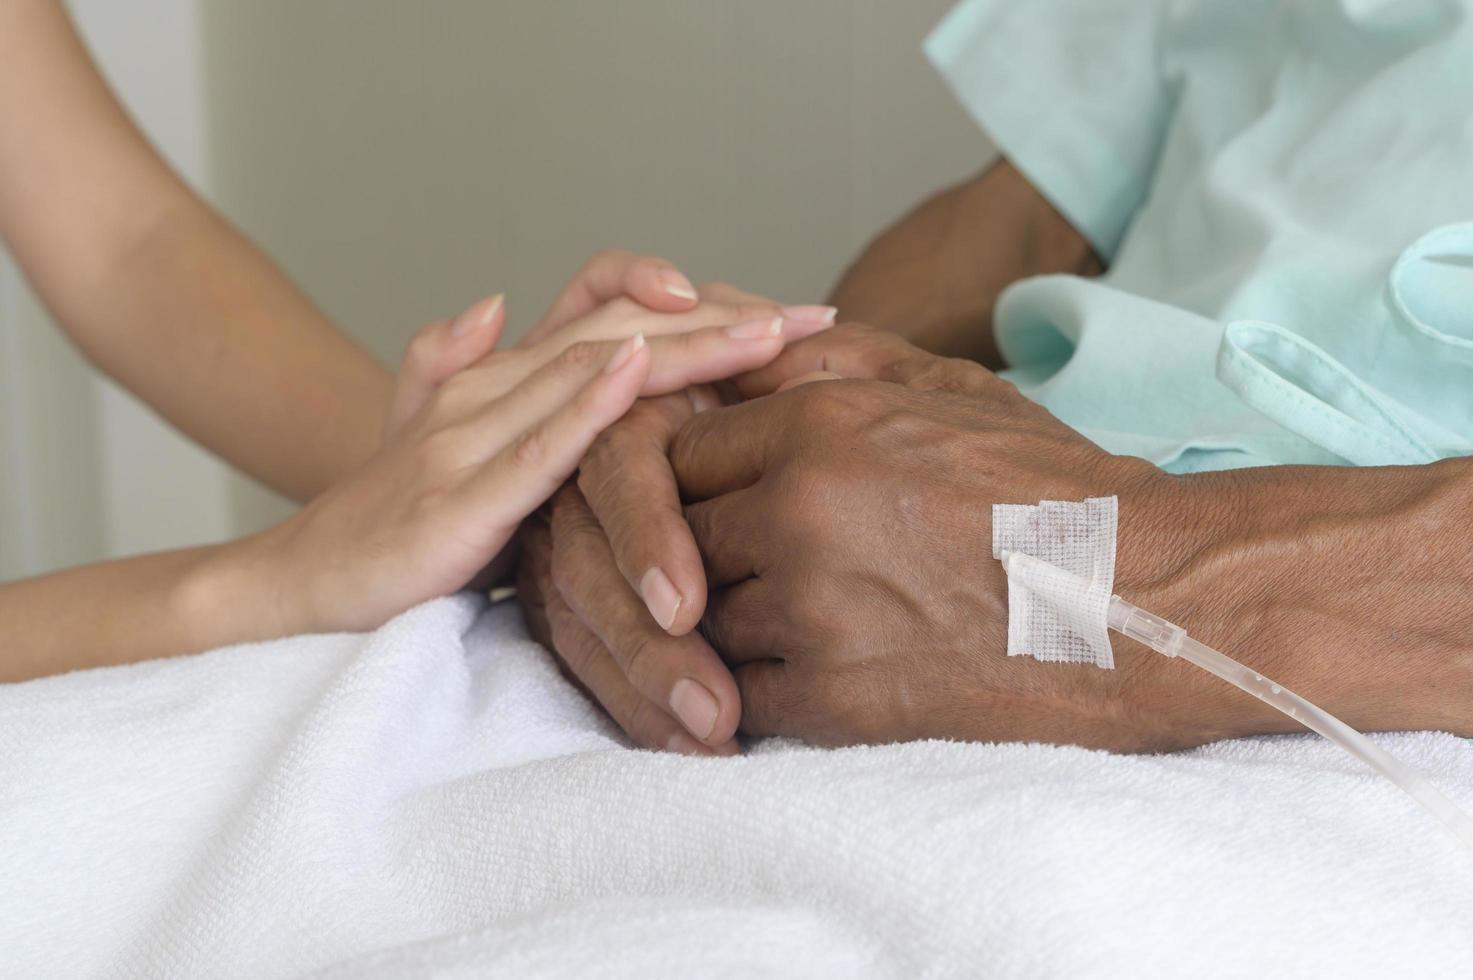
(434, 799)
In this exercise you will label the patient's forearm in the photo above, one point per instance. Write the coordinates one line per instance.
(934, 276)
(1353, 587)
(158, 605)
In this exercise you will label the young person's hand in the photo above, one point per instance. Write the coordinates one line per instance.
(614, 296)
(476, 440)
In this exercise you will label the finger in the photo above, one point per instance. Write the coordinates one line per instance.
(651, 282)
(682, 360)
(855, 351)
(732, 536)
(588, 661)
(675, 363)
(580, 655)
(620, 319)
(725, 292)
(742, 623)
(770, 704)
(627, 482)
(682, 675)
(534, 576)
(799, 321)
(442, 349)
(531, 467)
(728, 448)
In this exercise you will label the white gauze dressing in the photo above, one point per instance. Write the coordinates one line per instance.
(1060, 562)
(1058, 610)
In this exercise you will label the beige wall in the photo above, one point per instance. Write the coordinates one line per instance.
(403, 159)
(86, 471)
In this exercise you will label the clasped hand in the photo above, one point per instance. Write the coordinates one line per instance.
(477, 438)
(815, 560)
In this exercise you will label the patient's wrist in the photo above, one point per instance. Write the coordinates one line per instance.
(1345, 585)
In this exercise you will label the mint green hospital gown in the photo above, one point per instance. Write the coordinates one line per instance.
(1283, 192)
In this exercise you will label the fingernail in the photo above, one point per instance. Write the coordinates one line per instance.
(660, 596)
(477, 316)
(702, 399)
(812, 314)
(685, 745)
(626, 351)
(756, 329)
(695, 706)
(677, 285)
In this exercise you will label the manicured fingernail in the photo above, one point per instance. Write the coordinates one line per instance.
(626, 351)
(685, 745)
(812, 314)
(694, 706)
(660, 596)
(756, 329)
(477, 316)
(677, 285)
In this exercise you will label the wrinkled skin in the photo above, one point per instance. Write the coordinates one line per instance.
(845, 529)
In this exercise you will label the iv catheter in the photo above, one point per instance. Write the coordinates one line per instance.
(1171, 640)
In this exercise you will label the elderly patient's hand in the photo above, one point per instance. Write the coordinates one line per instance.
(846, 531)
(631, 644)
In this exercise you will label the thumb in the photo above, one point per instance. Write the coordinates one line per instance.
(440, 351)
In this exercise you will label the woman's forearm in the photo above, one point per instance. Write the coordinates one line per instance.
(159, 605)
(1353, 587)
(201, 325)
(935, 275)
(157, 289)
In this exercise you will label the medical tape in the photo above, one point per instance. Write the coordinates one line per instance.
(1060, 618)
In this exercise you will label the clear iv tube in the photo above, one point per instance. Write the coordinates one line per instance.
(1169, 639)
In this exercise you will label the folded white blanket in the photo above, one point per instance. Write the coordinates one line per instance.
(433, 798)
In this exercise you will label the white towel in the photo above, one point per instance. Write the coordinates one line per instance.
(433, 799)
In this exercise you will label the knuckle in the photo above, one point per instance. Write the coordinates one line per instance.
(724, 622)
(763, 704)
(453, 396)
(827, 406)
(571, 640)
(601, 478)
(640, 656)
(900, 426)
(850, 333)
(568, 579)
(441, 451)
(578, 357)
(944, 374)
(530, 449)
(564, 577)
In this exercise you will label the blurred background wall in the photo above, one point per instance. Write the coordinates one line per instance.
(403, 159)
